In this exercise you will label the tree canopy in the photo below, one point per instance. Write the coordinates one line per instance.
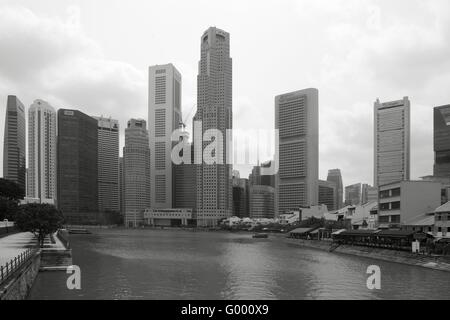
(10, 194)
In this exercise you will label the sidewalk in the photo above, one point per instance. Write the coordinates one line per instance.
(13, 245)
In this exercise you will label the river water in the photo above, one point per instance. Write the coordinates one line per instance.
(169, 264)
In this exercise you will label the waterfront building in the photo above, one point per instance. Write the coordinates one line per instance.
(334, 175)
(297, 120)
(353, 194)
(77, 166)
(14, 153)
(241, 197)
(441, 141)
(442, 221)
(173, 217)
(400, 202)
(108, 165)
(327, 194)
(136, 157)
(42, 148)
(214, 111)
(164, 117)
(391, 141)
(261, 202)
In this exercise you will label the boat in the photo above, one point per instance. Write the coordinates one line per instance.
(260, 235)
(79, 231)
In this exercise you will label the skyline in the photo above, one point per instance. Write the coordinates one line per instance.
(85, 70)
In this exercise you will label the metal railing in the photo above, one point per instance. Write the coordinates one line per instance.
(16, 263)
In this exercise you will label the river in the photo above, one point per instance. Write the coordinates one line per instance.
(169, 264)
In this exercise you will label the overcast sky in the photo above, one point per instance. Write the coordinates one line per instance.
(94, 55)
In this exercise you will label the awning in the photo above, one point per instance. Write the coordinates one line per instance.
(301, 230)
(396, 233)
(359, 233)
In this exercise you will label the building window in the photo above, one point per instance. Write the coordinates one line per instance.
(395, 205)
(396, 192)
(395, 219)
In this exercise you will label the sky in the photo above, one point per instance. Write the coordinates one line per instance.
(94, 55)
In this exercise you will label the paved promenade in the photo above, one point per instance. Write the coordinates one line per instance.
(11, 246)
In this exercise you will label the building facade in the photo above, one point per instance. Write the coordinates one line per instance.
(368, 193)
(214, 111)
(77, 166)
(297, 121)
(403, 201)
(164, 116)
(353, 194)
(173, 217)
(441, 141)
(261, 202)
(334, 175)
(327, 194)
(42, 148)
(108, 165)
(14, 143)
(391, 141)
(241, 192)
(121, 187)
(136, 157)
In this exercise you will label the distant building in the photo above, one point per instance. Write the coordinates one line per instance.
(168, 217)
(401, 202)
(334, 175)
(261, 202)
(136, 157)
(108, 165)
(14, 143)
(122, 186)
(392, 141)
(164, 117)
(185, 183)
(42, 146)
(297, 121)
(353, 194)
(241, 196)
(368, 193)
(77, 166)
(327, 194)
(441, 139)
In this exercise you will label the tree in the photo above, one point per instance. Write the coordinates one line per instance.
(40, 219)
(10, 194)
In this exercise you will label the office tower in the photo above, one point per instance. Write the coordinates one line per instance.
(121, 187)
(77, 166)
(240, 197)
(108, 165)
(185, 182)
(392, 141)
(441, 137)
(256, 178)
(334, 175)
(14, 158)
(42, 147)
(262, 202)
(353, 194)
(136, 157)
(297, 121)
(214, 110)
(164, 116)
(368, 194)
(327, 194)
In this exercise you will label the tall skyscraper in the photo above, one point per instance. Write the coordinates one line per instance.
(122, 187)
(297, 121)
(241, 197)
(42, 151)
(441, 137)
(327, 194)
(184, 186)
(164, 116)
(368, 194)
(77, 166)
(214, 110)
(108, 165)
(14, 153)
(392, 141)
(353, 194)
(334, 175)
(136, 157)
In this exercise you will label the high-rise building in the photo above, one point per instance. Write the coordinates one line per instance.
(77, 166)
(185, 179)
(261, 202)
(121, 187)
(392, 141)
(353, 194)
(240, 197)
(368, 194)
(334, 175)
(108, 165)
(214, 111)
(14, 153)
(164, 116)
(136, 157)
(42, 147)
(327, 194)
(441, 137)
(297, 122)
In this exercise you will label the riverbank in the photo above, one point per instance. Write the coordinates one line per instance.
(403, 257)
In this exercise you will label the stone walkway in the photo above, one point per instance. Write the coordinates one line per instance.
(13, 245)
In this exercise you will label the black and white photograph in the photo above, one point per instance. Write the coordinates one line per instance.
(224, 155)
